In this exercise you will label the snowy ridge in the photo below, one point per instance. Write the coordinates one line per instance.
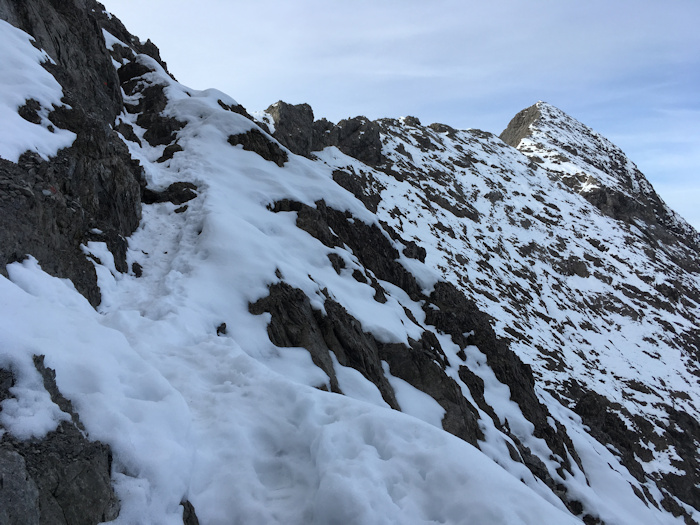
(213, 366)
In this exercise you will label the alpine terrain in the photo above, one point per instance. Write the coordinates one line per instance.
(218, 316)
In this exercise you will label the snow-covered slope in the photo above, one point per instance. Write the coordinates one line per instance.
(441, 331)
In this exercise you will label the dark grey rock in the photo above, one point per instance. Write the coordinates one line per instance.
(413, 251)
(359, 138)
(189, 516)
(240, 110)
(451, 312)
(62, 479)
(70, 33)
(633, 437)
(359, 186)
(368, 242)
(294, 126)
(29, 111)
(422, 365)
(115, 27)
(296, 129)
(19, 497)
(160, 130)
(294, 324)
(177, 193)
(169, 152)
(256, 141)
(46, 207)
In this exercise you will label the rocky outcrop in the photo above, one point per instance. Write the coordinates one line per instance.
(296, 129)
(606, 423)
(62, 479)
(256, 141)
(48, 208)
(519, 127)
(486, 218)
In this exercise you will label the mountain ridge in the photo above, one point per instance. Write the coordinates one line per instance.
(437, 271)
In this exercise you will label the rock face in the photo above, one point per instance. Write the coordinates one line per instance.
(63, 478)
(49, 207)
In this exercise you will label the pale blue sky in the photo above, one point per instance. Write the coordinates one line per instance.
(629, 69)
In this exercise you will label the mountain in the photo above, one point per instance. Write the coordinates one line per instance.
(217, 316)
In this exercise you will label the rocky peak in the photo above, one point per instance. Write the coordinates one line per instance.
(597, 169)
(520, 126)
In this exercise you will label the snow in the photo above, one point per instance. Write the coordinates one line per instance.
(245, 443)
(23, 78)
(30, 413)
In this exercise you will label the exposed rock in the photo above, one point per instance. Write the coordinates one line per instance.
(189, 516)
(160, 130)
(115, 27)
(169, 152)
(239, 109)
(29, 111)
(70, 33)
(368, 242)
(519, 127)
(296, 129)
(177, 193)
(295, 324)
(413, 251)
(19, 497)
(46, 207)
(359, 186)
(256, 141)
(422, 365)
(129, 71)
(450, 311)
(62, 479)
(628, 437)
(359, 138)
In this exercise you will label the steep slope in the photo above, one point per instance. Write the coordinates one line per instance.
(604, 310)
(425, 270)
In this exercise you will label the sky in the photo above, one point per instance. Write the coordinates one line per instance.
(628, 69)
